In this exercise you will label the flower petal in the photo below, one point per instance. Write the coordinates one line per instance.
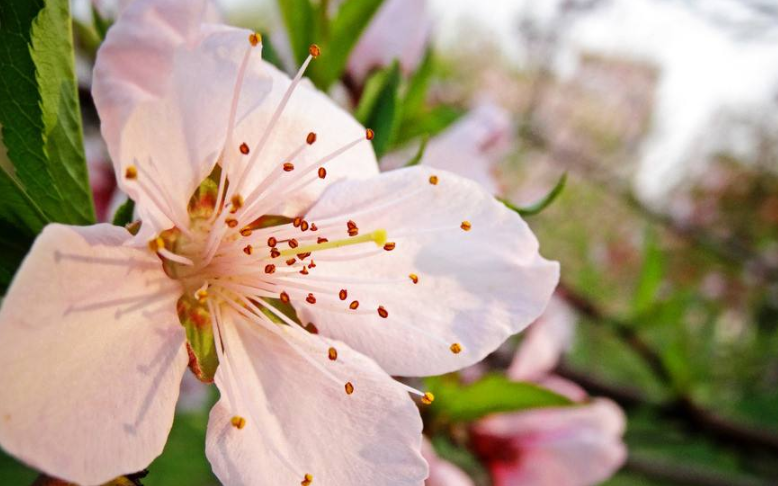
(544, 343)
(475, 288)
(559, 446)
(91, 356)
(300, 421)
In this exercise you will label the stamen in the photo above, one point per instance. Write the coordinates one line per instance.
(284, 297)
(244, 148)
(236, 203)
(255, 38)
(314, 51)
(377, 236)
(288, 167)
(202, 295)
(466, 226)
(272, 242)
(382, 312)
(414, 278)
(390, 246)
(332, 354)
(307, 480)
(311, 299)
(231, 222)
(343, 294)
(434, 180)
(248, 249)
(349, 388)
(238, 422)
(322, 172)
(369, 134)
(354, 305)
(311, 138)
(270, 268)
(131, 172)
(247, 231)
(428, 398)
(456, 348)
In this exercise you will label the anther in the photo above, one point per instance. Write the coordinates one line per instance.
(311, 138)
(244, 149)
(238, 422)
(369, 134)
(428, 398)
(274, 253)
(466, 226)
(293, 243)
(321, 240)
(236, 203)
(313, 227)
(456, 348)
(353, 232)
(351, 225)
(311, 265)
(270, 268)
(434, 180)
(297, 222)
(310, 299)
(311, 328)
(314, 51)
(349, 388)
(255, 39)
(382, 312)
(288, 167)
(307, 480)
(248, 249)
(231, 222)
(304, 225)
(284, 297)
(303, 256)
(389, 246)
(131, 172)
(156, 244)
(202, 295)
(354, 305)
(291, 261)
(272, 242)
(304, 271)
(322, 172)
(332, 354)
(343, 294)
(414, 278)
(246, 231)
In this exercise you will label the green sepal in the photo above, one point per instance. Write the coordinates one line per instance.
(538, 206)
(200, 342)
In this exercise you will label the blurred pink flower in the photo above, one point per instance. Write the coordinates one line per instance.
(399, 30)
(101, 177)
(566, 446)
(442, 472)
(471, 147)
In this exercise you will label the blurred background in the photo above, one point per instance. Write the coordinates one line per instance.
(664, 116)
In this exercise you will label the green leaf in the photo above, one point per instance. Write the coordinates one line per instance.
(418, 85)
(493, 393)
(300, 20)
(429, 122)
(39, 109)
(539, 206)
(343, 31)
(123, 215)
(419, 153)
(379, 107)
(101, 24)
(651, 275)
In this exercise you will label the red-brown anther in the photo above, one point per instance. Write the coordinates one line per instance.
(307, 480)
(131, 172)
(303, 256)
(304, 271)
(284, 297)
(382, 312)
(466, 226)
(314, 227)
(321, 240)
(354, 305)
(236, 202)
(351, 225)
(231, 222)
(311, 328)
(310, 299)
(353, 232)
(272, 242)
(270, 268)
(434, 180)
(304, 225)
(311, 138)
(246, 231)
(293, 243)
(343, 294)
(390, 245)
(288, 167)
(290, 261)
(322, 172)
(369, 134)
(244, 149)
(255, 39)
(414, 278)
(314, 51)
(311, 265)
(248, 249)
(332, 354)
(349, 388)
(274, 253)
(296, 222)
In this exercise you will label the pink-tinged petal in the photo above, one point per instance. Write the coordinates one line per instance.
(399, 30)
(442, 472)
(471, 147)
(299, 420)
(474, 286)
(91, 356)
(544, 343)
(564, 387)
(574, 446)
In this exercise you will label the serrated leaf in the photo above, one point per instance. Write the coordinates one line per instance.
(494, 393)
(343, 32)
(538, 206)
(39, 109)
(379, 107)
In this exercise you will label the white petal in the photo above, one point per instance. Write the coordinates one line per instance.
(475, 287)
(89, 380)
(300, 421)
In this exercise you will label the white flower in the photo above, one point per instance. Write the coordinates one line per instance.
(422, 271)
